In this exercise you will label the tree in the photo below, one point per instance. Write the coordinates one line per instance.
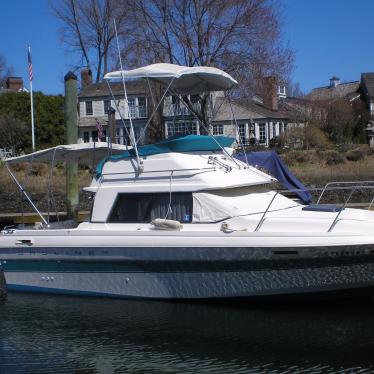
(88, 29)
(11, 131)
(5, 70)
(240, 36)
(49, 119)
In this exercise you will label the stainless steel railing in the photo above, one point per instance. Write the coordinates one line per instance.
(352, 189)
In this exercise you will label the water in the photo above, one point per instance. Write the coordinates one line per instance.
(54, 334)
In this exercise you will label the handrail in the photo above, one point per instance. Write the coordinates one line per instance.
(337, 182)
(326, 188)
(340, 211)
(267, 209)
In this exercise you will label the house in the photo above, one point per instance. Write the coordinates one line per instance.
(258, 121)
(335, 90)
(367, 91)
(95, 101)
(13, 84)
(357, 93)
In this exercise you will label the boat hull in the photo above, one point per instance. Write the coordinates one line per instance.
(188, 273)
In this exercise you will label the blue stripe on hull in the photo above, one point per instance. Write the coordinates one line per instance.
(62, 291)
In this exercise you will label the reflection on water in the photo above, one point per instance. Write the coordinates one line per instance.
(85, 335)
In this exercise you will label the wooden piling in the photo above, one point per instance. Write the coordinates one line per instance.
(112, 125)
(71, 123)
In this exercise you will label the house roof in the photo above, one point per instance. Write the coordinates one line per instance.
(367, 81)
(102, 90)
(243, 110)
(343, 90)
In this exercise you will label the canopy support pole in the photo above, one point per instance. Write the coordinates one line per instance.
(132, 133)
(25, 193)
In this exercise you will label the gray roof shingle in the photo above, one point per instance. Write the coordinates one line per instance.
(101, 89)
(343, 90)
(243, 110)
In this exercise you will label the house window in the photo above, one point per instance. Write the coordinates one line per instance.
(106, 106)
(89, 109)
(143, 208)
(181, 128)
(274, 129)
(194, 99)
(262, 131)
(95, 136)
(142, 107)
(241, 130)
(131, 104)
(86, 136)
(217, 129)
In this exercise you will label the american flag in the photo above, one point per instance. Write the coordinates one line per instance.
(31, 75)
(100, 130)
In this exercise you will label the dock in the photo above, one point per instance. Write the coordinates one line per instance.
(31, 218)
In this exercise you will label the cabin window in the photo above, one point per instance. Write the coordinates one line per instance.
(89, 109)
(143, 208)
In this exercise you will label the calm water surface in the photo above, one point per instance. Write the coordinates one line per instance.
(52, 334)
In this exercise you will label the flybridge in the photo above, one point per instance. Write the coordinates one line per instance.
(188, 143)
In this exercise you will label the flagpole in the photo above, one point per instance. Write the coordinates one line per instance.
(31, 77)
(32, 119)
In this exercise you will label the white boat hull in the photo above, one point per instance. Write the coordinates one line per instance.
(190, 273)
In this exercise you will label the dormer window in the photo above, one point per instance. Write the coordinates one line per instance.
(334, 81)
(282, 90)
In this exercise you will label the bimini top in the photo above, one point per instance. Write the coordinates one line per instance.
(84, 153)
(183, 79)
(187, 143)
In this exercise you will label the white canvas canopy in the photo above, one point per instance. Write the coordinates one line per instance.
(84, 153)
(185, 80)
(213, 207)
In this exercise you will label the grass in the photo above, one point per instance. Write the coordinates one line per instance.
(35, 181)
(319, 173)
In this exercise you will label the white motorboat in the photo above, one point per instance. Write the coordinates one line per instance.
(183, 219)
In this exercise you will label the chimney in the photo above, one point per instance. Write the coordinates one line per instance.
(334, 81)
(271, 92)
(86, 78)
(14, 83)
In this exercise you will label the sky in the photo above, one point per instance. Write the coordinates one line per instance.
(329, 37)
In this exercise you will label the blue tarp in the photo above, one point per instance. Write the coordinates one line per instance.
(270, 161)
(187, 143)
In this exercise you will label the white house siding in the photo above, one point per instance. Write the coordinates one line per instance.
(98, 107)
